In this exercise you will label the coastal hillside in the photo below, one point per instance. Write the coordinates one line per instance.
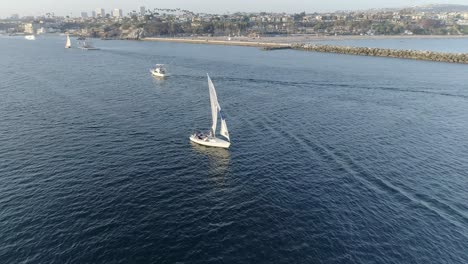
(424, 20)
(442, 8)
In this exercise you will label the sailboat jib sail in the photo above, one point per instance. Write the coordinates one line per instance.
(224, 130)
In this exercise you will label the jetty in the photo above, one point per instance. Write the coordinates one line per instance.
(361, 51)
(277, 47)
(390, 53)
(221, 42)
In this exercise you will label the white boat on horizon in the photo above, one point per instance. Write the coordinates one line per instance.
(68, 43)
(87, 45)
(209, 139)
(159, 71)
(30, 37)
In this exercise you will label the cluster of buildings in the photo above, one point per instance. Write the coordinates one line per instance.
(262, 23)
(34, 28)
(344, 22)
(49, 23)
(114, 13)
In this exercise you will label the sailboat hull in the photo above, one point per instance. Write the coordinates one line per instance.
(210, 142)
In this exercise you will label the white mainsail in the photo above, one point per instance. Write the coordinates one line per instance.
(215, 108)
(214, 105)
(68, 44)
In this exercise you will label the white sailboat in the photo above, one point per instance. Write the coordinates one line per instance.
(68, 43)
(30, 37)
(210, 138)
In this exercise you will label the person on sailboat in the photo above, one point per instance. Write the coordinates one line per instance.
(200, 135)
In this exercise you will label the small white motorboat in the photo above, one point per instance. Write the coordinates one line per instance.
(30, 37)
(209, 139)
(86, 45)
(159, 71)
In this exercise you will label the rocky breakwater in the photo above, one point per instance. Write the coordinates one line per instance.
(391, 53)
(132, 34)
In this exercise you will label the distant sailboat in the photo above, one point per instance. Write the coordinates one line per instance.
(68, 44)
(30, 37)
(87, 45)
(210, 139)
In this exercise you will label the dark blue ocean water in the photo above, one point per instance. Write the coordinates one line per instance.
(334, 158)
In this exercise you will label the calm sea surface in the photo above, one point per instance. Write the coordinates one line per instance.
(334, 158)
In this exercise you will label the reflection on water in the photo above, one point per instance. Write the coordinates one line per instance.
(158, 81)
(219, 160)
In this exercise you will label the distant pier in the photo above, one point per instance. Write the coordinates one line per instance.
(272, 47)
(361, 51)
(221, 42)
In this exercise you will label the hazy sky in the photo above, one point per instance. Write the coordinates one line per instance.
(66, 7)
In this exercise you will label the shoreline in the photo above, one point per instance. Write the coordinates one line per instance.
(289, 40)
(259, 44)
(308, 45)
